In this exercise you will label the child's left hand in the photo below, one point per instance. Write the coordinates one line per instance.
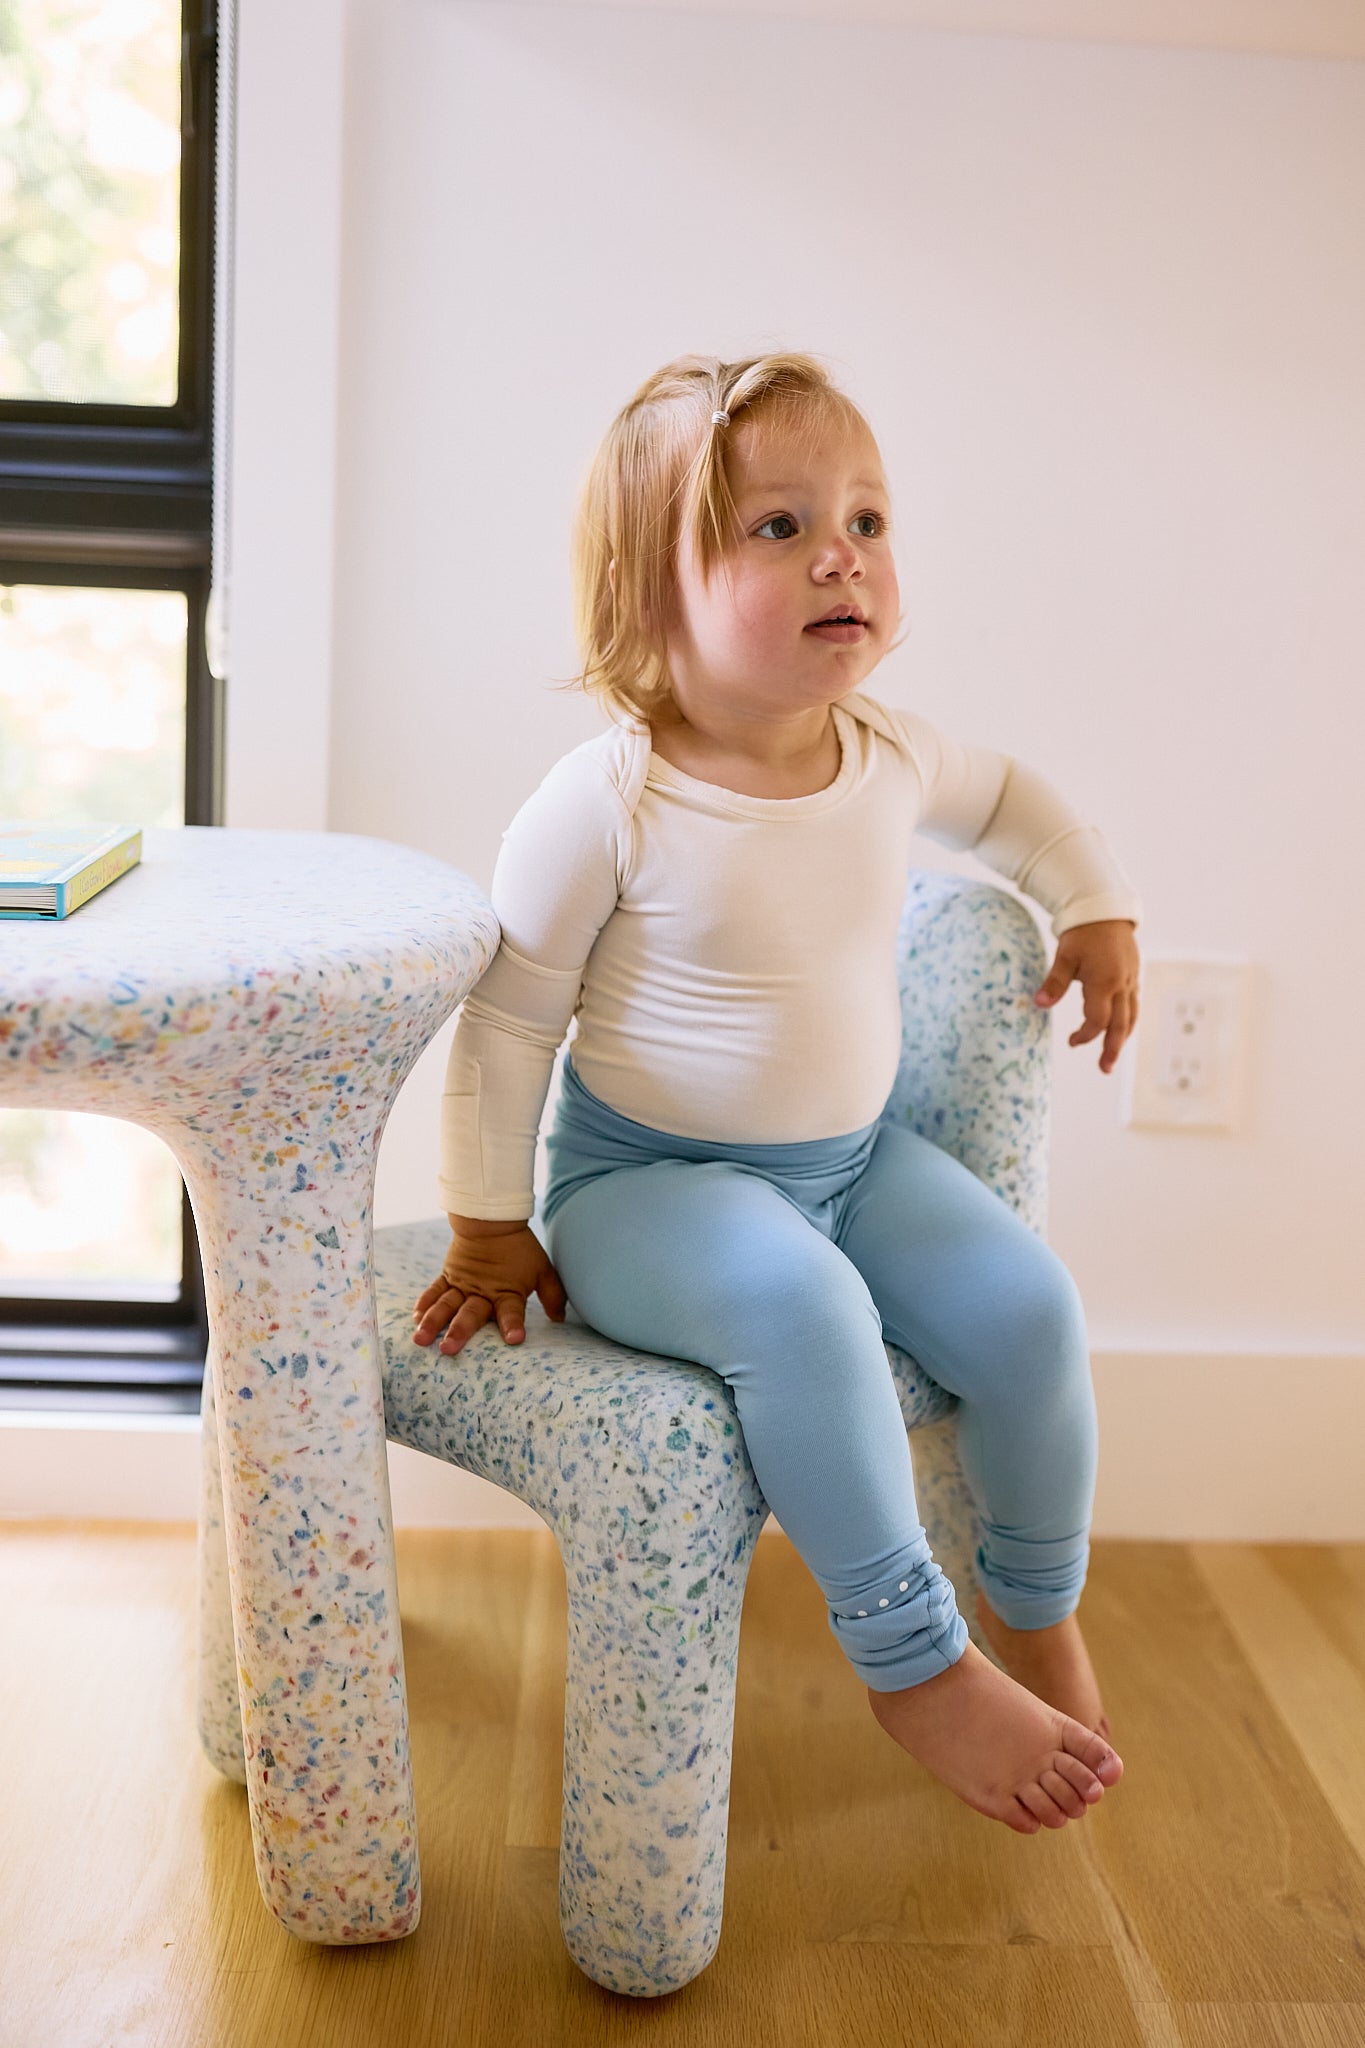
(1104, 958)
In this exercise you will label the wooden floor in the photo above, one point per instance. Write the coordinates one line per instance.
(1215, 1900)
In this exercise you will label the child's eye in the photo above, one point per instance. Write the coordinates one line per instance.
(872, 525)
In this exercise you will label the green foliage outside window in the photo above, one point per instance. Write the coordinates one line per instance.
(89, 200)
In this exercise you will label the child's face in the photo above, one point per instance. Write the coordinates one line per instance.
(813, 538)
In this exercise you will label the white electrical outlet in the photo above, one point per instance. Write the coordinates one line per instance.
(1193, 1028)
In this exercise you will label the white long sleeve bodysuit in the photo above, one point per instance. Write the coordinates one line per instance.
(730, 959)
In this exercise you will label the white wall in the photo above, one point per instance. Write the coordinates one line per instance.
(1106, 310)
(284, 416)
(1325, 28)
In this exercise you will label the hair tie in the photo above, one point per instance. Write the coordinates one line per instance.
(720, 419)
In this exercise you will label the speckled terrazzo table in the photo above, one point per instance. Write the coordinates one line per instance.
(256, 999)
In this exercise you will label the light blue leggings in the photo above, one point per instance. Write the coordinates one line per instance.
(785, 1269)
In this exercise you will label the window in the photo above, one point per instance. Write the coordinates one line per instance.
(108, 706)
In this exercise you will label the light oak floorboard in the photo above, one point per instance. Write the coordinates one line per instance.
(1215, 1899)
(1298, 1613)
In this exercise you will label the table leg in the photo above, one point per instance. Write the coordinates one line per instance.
(220, 1708)
(298, 1396)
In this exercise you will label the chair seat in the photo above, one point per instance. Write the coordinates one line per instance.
(546, 1419)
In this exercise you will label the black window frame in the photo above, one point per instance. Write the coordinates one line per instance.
(122, 495)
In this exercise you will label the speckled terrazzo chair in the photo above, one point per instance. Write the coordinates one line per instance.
(638, 1465)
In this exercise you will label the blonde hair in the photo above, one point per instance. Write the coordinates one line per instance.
(658, 474)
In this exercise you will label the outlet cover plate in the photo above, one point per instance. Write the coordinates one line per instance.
(1189, 1069)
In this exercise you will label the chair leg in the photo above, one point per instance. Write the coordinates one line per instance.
(950, 1517)
(220, 1712)
(307, 1519)
(648, 1727)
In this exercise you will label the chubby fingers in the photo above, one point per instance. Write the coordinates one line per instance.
(435, 1307)
(466, 1313)
(430, 1295)
(553, 1299)
(510, 1309)
(430, 1310)
(1113, 1012)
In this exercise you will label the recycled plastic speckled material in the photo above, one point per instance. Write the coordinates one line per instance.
(256, 998)
(638, 1465)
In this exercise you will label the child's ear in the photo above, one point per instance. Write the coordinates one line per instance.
(611, 574)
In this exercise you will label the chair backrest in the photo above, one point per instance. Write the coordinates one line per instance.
(975, 1069)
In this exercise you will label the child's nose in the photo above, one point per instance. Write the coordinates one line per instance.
(840, 557)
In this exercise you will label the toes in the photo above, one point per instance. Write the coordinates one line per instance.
(1079, 1776)
(1109, 1769)
(1093, 1750)
(1042, 1806)
(1021, 1820)
(1063, 1794)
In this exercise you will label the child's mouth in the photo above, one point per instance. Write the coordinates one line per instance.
(839, 630)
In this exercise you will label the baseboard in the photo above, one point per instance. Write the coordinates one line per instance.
(1194, 1446)
(1215, 1447)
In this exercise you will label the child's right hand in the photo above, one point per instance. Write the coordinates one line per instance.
(485, 1275)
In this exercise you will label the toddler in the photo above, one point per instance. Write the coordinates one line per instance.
(712, 888)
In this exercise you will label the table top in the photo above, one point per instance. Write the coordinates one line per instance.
(209, 907)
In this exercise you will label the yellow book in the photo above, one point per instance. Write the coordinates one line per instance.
(50, 870)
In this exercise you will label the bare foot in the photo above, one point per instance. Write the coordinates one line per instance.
(1006, 1753)
(1052, 1662)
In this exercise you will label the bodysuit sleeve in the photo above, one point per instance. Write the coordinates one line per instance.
(980, 801)
(556, 881)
